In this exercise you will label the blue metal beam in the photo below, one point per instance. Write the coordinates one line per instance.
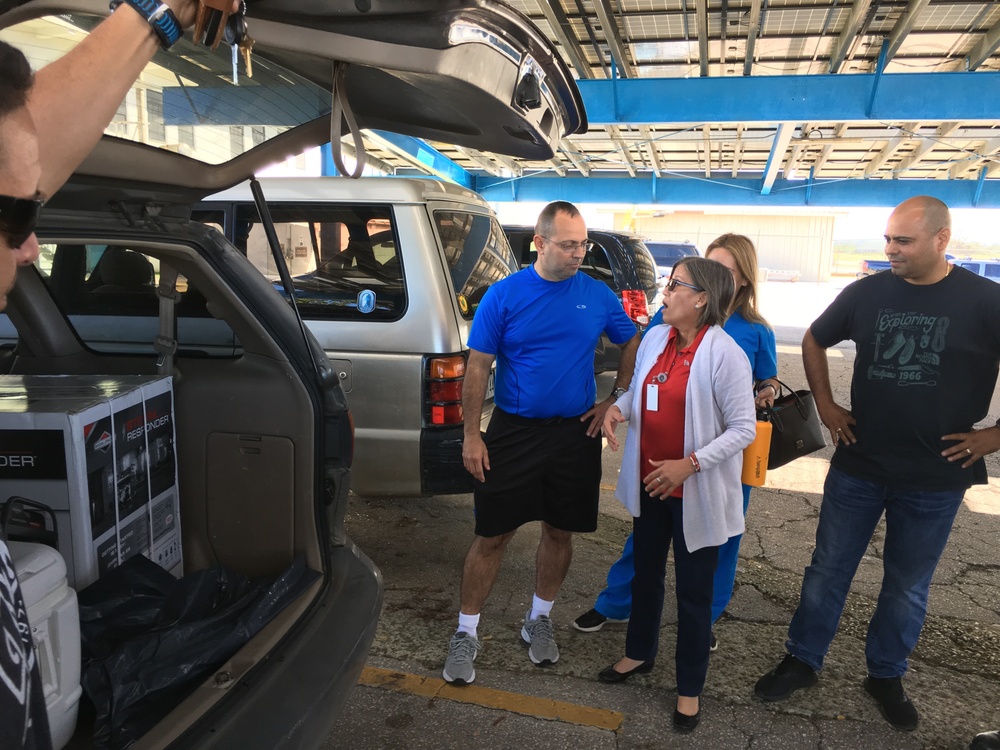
(435, 162)
(836, 98)
(645, 189)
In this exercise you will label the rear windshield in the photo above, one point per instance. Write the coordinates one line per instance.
(186, 100)
(477, 253)
(343, 259)
(645, 268)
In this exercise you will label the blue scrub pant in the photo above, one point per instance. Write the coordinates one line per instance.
(615, 601)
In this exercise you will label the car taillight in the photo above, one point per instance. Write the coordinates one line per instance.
(634, 302)
(444, 390)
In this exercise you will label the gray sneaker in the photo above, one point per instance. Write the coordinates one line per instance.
(541, 640)
(462, 651)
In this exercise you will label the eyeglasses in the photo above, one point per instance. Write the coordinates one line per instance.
(674, 283)
(18, 217)
(569, 246)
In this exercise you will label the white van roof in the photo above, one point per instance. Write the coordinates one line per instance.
(341, 189)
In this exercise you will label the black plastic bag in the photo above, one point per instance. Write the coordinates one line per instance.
(149, 639)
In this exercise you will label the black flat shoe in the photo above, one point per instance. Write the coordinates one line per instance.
(685, 723)
(611, 675)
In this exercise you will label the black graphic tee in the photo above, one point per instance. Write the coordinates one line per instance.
(926, 366)
(24, 722)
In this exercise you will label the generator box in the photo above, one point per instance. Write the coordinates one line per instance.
(99, 451)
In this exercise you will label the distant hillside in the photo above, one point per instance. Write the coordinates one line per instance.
(876, 248)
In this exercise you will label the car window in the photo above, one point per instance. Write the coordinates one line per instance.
(597, 265)
(344, 259)
(477, 253)
(645, 268)
(108, 294)
(668, 253)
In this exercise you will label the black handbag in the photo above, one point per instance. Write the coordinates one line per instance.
(795, 427)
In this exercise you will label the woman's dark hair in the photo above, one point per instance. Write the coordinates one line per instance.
(716, 281)
(16, 78)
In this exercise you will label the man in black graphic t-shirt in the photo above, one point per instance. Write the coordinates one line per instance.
(928, 352)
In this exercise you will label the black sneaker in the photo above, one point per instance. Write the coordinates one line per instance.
(591, 621)
(713, 645)
(892, 702)
(790, 675)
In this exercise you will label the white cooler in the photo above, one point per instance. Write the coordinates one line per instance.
(55, 626)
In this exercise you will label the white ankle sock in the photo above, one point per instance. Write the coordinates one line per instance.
(539, 607)
(468, 624)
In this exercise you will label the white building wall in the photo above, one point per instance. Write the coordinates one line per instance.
(783, 242)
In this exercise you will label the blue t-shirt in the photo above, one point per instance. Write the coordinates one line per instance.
(755, 339)
(543, 334)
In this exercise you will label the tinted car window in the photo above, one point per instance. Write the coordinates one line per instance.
(108, 293)
(597, 266)
(344, 260)
(477, 253)
(645, 268)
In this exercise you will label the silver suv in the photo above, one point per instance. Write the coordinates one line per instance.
(388, 274)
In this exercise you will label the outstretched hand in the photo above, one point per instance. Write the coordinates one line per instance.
(612, 418)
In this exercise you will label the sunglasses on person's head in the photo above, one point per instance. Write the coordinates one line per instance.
(674, 283)
(18, 217)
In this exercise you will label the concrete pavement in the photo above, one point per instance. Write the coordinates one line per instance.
(954, 679)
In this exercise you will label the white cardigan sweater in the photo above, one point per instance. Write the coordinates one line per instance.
(719, 422)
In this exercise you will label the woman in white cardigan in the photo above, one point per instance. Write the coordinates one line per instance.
(691, 413)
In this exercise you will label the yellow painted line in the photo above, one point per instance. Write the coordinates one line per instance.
(608, 487)
(543, 708)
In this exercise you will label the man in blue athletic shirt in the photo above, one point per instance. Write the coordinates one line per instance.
(541, 456)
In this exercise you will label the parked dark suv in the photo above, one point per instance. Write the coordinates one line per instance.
(620, 260)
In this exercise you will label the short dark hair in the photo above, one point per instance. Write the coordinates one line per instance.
(547, 217)
(16, 78)
(716, 281)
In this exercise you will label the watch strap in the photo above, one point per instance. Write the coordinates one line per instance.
(159, 17)
(617, 393)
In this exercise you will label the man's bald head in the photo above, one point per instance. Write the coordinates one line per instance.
(936, 215)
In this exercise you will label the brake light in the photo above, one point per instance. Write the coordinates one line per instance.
(634, 302)
(445, 376)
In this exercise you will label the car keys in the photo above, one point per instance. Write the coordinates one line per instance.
(235, 35)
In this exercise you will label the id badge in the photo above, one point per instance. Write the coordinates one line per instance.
(652, 397)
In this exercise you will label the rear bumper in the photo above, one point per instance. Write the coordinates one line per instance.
(442, 471)
(294, 700)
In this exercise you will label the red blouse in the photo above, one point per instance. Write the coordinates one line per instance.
(662, 432)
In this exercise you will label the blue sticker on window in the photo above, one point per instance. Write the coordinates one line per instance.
(366, 301)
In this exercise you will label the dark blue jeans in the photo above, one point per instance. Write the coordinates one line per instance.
(661, 522)
(917, 525)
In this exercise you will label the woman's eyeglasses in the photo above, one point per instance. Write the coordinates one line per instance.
(569, 246)
(18, 217)
(674, 283)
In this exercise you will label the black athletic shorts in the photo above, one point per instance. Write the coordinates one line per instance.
(540, 470)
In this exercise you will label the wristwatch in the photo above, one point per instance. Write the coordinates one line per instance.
(160, 18)
(617, 393)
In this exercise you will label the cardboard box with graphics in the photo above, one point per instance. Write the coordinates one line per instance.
(102, 458)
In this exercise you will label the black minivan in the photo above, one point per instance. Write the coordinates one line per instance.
(619, 259)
